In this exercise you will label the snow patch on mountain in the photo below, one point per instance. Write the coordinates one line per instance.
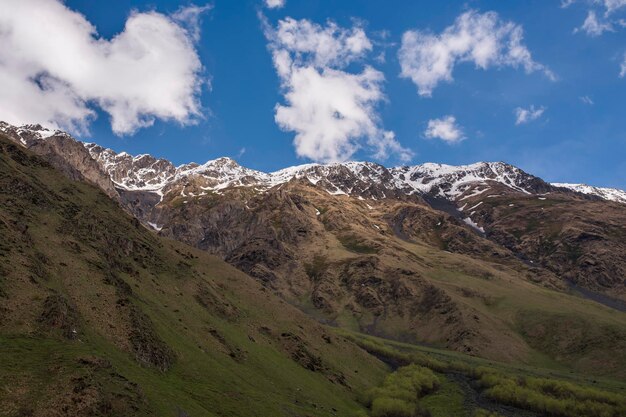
(611, 194)
(473, 224)
(29, 133)
(453, 182)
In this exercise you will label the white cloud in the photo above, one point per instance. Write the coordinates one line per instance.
(333, 112)
(54, 68)
(594, 27)
(445, 129)
(610, 6)
(622, 72)
(309, 44)
(190, 16)
(523, 116)
(275, 4)
(587, 100)
(484, 39)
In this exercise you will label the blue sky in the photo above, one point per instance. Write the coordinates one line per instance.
(580, 136)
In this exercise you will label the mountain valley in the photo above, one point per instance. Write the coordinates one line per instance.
(485, 260)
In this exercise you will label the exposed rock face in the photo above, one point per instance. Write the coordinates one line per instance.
(581, 241)
(142, 172)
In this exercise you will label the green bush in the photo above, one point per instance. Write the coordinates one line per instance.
(561, 389)
(551, 397)
(399, 394)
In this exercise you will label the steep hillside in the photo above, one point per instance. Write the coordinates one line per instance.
(398, 269)
(449, 256)
(100, 317)
(581, 241)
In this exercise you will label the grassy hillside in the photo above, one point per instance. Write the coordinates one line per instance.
(98, 316)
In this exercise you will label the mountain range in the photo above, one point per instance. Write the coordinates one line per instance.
(482, 259)
(147, 173)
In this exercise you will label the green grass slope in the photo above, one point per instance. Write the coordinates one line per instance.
(100, 317)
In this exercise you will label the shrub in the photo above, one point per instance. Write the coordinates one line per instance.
(552, 398)
(399, 394)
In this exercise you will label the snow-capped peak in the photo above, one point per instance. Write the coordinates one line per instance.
(141, 172)
(611, 194)
(29, 133)
(452, 182)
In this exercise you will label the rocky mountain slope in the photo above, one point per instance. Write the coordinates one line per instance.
(101, 317)
(481, 258)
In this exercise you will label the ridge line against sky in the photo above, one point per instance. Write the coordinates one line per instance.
(361, 80)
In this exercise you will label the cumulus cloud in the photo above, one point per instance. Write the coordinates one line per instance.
(445, 129)
(275, 4)
(333, 112)
(523, 116)
(55, 68)
(482, 38)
